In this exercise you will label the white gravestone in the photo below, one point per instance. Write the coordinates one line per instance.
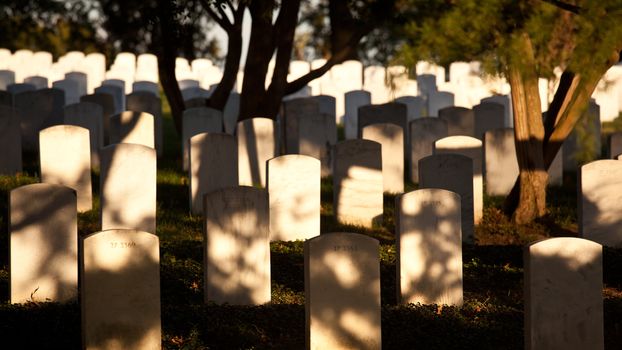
(117, 94)
(563, 294)
(438, 100)
(501, 163)
(128, 187)
(65, 159)
(488, 116)
(89, 116)
(506, 102)
(106, 101)
(391, 138)
(414, 106)
(314, 138)
(357, 182)
(132, 127)
(423, 133)
(460, 120)
(213, 166)
(256, 144)
(354, 100)
(71, 89)
(294, 111)
(10, 139)
(195, 121)
(146, 102)
(82, 81)
(120, 296)
(599, 211)
(394, 113)
(237, 246)
(294, 192)
(429, 247)
(43, 233)
(342, 292)
(472, 148)
(452, 172)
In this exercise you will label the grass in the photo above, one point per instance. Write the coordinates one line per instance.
(491, 317)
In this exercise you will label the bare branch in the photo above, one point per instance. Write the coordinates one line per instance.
(565, 6)
(224, 23)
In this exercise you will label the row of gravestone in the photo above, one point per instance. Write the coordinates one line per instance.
(119, 269)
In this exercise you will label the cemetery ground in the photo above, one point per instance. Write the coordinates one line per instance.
(491, 317)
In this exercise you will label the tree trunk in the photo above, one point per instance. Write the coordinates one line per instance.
(528, 200)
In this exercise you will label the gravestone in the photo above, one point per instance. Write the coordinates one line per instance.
(38, 110)
(414, 106)
(429, 247)
(106, 101)
(81, 79)
(438, 100)
(460, 120)
(195, 121)
(294, 111)
(488, 116)
(316, 134)
(506, 102)
(146, 86)
(599, 210)
(213, 166)
(188, 84)
(120, 297)
(231, 113)
(37, 81)
(294, 192)
(20, 87)
(353, 100)
(7, 77)
(70, 88)
(357, 182)
(146, 102)
(128, 187)
(472, 148)
(452, 172)
(563, 294)
(391, 138)
(6, 99)
(615, 144)
(501, 163)
(342, 292)
(194, 92)
(43, 233)
(89, 116)
(65, 159)
(132, 127)
(583, 143)
(10, 141)
(237, 246)
(117, 95)
(394, 113)
(256, 144)
(423, 133)
(426, 84)
(328, 105)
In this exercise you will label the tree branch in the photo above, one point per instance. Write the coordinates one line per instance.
(565, 6)
(224, 23)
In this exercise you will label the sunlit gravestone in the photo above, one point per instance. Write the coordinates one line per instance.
(342, 292)
(132, 127)
(429, 247)
(256, 144)
(563, 294)
(294, 192)
(120, 295)
(357, 182)
(65, 159)
(43, 243)
(472, 148)
(128, 187)
(237, 246)
(500, 159)
(10, 139)
(452, 172)
(213, 166)
(423, 133)
(391, 139)
(599, 211)
(195, 121)
(89, 116)
(146, 102)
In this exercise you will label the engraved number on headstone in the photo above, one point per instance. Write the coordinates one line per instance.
(122, 244)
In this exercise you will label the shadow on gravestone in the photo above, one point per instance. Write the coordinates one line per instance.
(120, 296)
(10, 139)
(106, 101)
(198, 120)
(342, 292)
(43, 233)
(132, 127)
(460, 120)
(143, 101)
(38, 109)
(89, 116)
(237, 246)
(256, 144)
